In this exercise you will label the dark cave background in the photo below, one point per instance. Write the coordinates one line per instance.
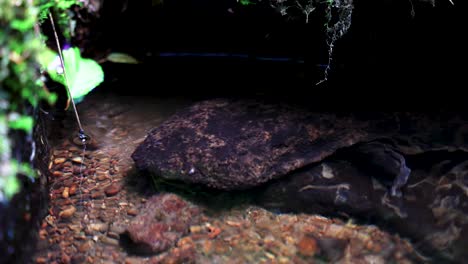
(388, 60)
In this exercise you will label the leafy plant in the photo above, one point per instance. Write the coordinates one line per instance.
(246, 2)
(24, 123)
(21, 88)
(62, 9)
(118, 57)
(83, 74)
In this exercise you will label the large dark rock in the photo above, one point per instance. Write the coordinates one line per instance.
(239, 144)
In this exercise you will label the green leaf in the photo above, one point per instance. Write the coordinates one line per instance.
(25, 123)
(23, 25)
(26, 169)
(121, 58)
(83, 74)
(46, 57)
(12, 186)
(66, 4)
(245, 2)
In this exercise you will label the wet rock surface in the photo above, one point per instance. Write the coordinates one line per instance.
(238, 144)
(162, 223)
(241, 144)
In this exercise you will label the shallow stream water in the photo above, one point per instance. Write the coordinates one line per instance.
(96, 193)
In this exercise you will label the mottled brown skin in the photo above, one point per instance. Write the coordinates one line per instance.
(237, 145)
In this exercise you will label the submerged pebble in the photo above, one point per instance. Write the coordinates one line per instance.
(57, 173)
(66, 192)
(110, 241)
(132, 211)
(100, 227)
(67, 213)
(59, 160)
(113, 189)
(77, 159)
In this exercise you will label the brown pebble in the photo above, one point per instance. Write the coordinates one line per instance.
(132, 260)
(270, 256)
(75, 149)
(233, 223)
(132, 211)
(57, 152)
(196, 229)
(102, 177)
(58, 166)
(220, 247)
(66, 192)
(67, 166)
(112, 189)
(41, 260)
(97, 195)
(72, 190)
(100, 227)
(119, 229)
(185, 242)
(79, 237)
(101, 170)
(79, 258)
(43, 234)
(307, 246)
(75, 228)
(207, 247)
(59, 160)
(110, 241)
(86, 246)
(113, 235)
(64, 202)
(57, 173)
(78, 169)
(77, 160)
(65, 258)
(67, 213)
(87, 230)
(68, 182)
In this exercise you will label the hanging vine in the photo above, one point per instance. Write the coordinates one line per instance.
(336, 28)
(338, 16)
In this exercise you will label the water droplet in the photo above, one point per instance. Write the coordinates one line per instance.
(83, 137)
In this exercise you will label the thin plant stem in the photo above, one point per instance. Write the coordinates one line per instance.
(81, 132)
